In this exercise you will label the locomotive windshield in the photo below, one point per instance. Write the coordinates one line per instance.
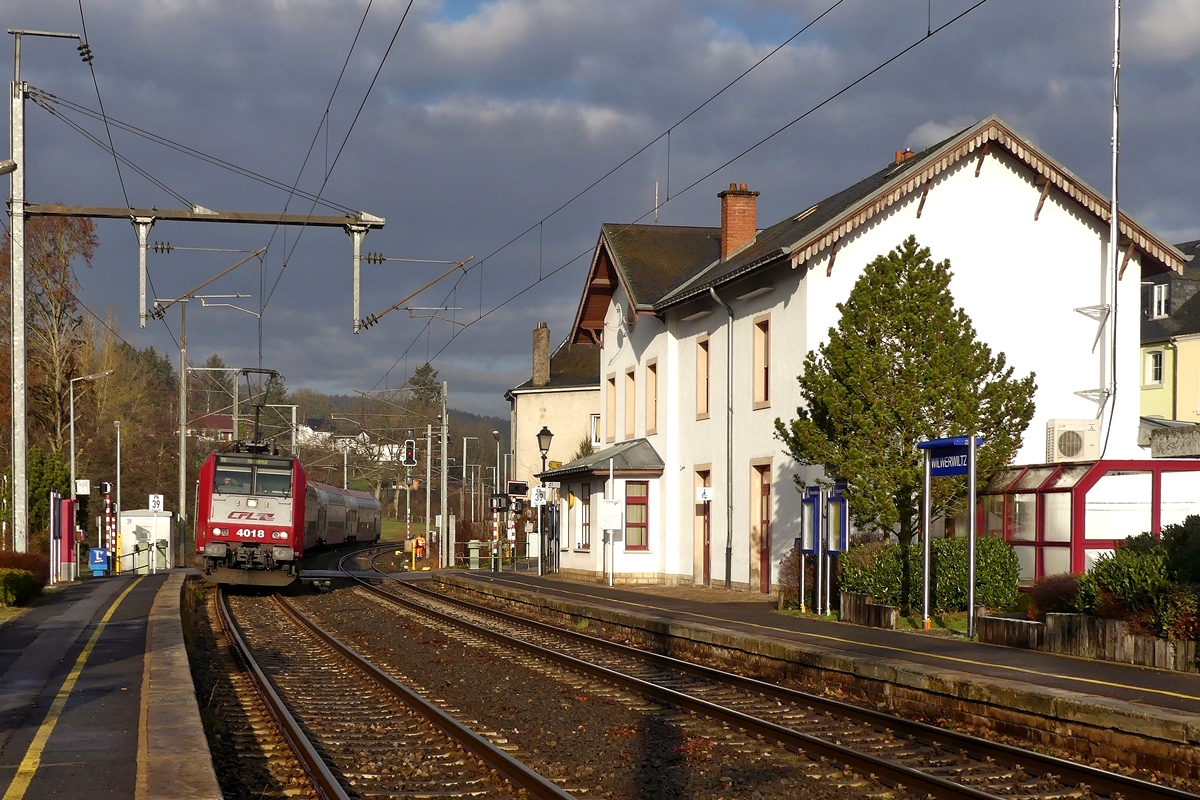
(275, 482)
(232, 480)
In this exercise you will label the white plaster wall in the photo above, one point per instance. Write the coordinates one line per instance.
(1019, 281)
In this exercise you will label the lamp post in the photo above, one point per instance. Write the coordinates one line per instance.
(94, 377)
(544, 437)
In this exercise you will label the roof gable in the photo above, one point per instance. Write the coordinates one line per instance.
(809, 234)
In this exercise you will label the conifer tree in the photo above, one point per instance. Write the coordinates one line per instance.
(903, 363)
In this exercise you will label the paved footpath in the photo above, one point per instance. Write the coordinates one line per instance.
(96, 697)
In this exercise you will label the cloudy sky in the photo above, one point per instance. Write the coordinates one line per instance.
(487, 116)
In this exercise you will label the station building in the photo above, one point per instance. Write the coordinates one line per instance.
(690, 321)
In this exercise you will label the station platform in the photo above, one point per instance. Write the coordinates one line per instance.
(97, 697)
(1046, 696)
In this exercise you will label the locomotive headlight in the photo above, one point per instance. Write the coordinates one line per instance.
(252, 503)
(279, 534)
(283, 553)
(219, 532)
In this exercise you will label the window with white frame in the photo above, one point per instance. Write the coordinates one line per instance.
(1158, 306)
(595, 428)
(1154, 368)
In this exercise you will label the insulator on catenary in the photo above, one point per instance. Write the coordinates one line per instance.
(162, 247)
(85, 52)
(375, 258)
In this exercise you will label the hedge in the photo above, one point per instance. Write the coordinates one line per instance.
(17, 587)
(37, 564)
(877, 569)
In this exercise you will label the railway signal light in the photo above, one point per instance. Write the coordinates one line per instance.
(410, 453)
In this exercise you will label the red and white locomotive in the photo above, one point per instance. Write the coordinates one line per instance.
(258, 515)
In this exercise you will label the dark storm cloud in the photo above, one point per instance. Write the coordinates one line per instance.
(487, 116)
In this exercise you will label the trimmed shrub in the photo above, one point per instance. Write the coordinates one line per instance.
(1053, 594)
(17, 587)
(876, 569)
(37, 564)
(1124, 584)
(1182, 543)
(997, 573)
(1177, 613)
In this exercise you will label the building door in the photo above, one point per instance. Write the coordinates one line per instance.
(762, 493)
(703, 527)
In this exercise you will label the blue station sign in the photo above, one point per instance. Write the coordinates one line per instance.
(949, 456)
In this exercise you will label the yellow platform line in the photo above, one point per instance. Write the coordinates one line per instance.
(856, 643)
(33, 756)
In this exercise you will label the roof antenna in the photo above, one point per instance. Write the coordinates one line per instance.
(656, 202)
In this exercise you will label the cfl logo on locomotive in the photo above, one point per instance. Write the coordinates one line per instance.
(257, 516)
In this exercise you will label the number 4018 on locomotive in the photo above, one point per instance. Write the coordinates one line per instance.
(258, 515)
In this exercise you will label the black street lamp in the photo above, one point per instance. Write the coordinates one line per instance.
(544, 436)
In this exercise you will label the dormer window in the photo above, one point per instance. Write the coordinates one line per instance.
(1158, 305)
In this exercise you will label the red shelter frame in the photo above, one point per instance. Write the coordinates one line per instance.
(1073, 478)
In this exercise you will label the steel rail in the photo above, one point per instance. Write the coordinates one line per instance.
(1098, 780)
(322, 778)
(890, 773)
(512, 769)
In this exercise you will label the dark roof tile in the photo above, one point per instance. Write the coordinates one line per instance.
(571, 366)
(654, 259)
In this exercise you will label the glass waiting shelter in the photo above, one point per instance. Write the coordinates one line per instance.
(1062, 517)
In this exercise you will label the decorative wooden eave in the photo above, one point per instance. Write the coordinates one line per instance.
(990, 131)
(601, 284)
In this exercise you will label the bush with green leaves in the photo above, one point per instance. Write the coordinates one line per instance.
(1053, 594)
(1182, 543)
(17, 587)
(997, 573)
(876, 569)
(1128, 581)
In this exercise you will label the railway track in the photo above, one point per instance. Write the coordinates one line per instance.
(922, 758)
(357, 731)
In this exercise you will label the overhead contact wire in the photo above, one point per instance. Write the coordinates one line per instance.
(346, 138)
(96, 83)
(730, 161)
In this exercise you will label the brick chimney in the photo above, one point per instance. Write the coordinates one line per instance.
(739, 223)
(904, 155)
(541, 355)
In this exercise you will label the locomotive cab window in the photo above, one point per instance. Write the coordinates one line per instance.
(231, 480)
(274, 482)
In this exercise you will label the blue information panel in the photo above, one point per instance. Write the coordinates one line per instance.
(948, 456)
(948, 461)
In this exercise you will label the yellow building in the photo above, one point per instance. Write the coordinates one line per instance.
(1170, 352)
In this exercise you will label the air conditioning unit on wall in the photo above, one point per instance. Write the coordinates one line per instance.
(1072, 440)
